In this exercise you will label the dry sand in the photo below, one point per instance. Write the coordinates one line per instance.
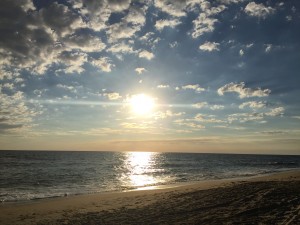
(272, 199)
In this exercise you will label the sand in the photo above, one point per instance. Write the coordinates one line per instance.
(271, 199)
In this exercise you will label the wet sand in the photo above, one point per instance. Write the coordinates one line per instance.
(271, 199)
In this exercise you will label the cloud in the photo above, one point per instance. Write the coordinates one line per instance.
(258, 10)
(242, 91)
(140, 70)
(129, 25)
(162, 86)
(73, 61)
(209, 46)
(15, 115)
(112, 95)
(84, 42)
(241, 52)
(172, 7)
(230, 1)
(217, 107)
(268, 48)
(97, 13)
(189, 124)
(276, 112)
(207, 118)
(62, 86)
(161, 24)
(121, 48)
(166, 114)
(103, 64)
(195, 87)
(245, 117)
(203, 24)
(253, 105)
(145, 54)
(200, 105)
(66, 24)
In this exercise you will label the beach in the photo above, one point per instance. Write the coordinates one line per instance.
(269, 199)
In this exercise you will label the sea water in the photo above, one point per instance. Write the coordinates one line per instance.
(29, 175)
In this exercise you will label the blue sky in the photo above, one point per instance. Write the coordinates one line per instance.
(222, 76)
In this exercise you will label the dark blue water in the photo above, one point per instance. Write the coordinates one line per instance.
(28, 175)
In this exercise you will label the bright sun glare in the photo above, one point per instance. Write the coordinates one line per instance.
(141, 104)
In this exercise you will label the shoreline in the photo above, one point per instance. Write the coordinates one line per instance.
(150, 188)
(54, 210)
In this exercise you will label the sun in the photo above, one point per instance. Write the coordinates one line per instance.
(141, 104)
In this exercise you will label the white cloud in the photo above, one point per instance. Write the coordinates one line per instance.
(200, 105)
(230, 1)
(173, 44)
(203, 24)
(242, 91)
(163, 86)
(63, 86)
(146, 54)
(241, 52)
(245, 117)
(172, 7)
(73, 61)
(189, 124)
(258, 10)
(209, 46)
(268, 48)
(195, 87)
(103, 64)
(166, 114)
(84, 42)
(161, 24)
(140, 70)
(15, 115)
(216, 107)
(276, 112)
(121, 48)
(253, 105)
(112, 96)
(207, 118)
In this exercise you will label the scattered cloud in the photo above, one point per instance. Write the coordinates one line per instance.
(209, 46)
(241, 52)
(195, 87)
(140, 70)
(200, 105)
(167, 114)
(146, 54)
(217, 107)
(121, 48)
(253, 105)
(162, 86)
(161, 24)
(207, 118)
(112, 95)
(268, 48)
(243, 91)
(103, 64)
(276, 112)
(258, 10)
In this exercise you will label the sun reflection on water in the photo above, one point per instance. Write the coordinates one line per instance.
(140, 167)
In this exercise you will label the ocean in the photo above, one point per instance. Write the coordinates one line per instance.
(31, 175)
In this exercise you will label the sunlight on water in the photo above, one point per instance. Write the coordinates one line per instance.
(140, 166)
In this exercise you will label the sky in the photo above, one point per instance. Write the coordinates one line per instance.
(150, 75)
